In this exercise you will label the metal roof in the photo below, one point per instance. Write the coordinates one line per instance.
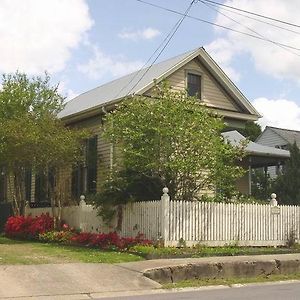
(120, 87)
(235, 138)
(141, 81)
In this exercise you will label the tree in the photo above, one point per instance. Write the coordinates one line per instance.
(31, 135)
(251, 131)
(287, 185)
(172, 136)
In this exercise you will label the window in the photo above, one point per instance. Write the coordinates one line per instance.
(78, 181)
(28, 177)
(2, 185)
(91, 164)
(84, 175)
(194, 85)
(44, 185)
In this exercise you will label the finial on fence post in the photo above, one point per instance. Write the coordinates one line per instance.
(165, 191)
(82, 200)
(273, 201)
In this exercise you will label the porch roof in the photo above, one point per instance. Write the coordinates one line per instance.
(259, 155)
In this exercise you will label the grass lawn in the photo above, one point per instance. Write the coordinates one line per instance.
(150, 252)
(25, 252)
(230, 281)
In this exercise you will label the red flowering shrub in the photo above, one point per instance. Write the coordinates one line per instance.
(41, 227)
(108, 240)
(28, 227)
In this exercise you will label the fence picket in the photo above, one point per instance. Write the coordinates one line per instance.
(207, 222)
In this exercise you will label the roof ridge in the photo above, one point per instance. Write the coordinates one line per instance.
(285, 129)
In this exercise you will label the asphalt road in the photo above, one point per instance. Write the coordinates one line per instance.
(274, 291)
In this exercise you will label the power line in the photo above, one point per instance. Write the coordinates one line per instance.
(162, 45)
(247, 27)
(253, 18)
(217, 25)
(255, 14)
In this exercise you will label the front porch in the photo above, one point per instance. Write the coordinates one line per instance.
(257, 157)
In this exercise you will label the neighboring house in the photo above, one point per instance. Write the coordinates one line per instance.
(278, 138)
(194, 71)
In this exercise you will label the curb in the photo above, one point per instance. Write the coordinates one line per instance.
(224, 270)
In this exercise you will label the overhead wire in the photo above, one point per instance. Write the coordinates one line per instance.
(249, 28)
(217, 25)
(253, 18)
(255, 14)
(162, 46)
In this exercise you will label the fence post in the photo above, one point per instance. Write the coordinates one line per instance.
(82, 213)
(273, 201)
(165, 203)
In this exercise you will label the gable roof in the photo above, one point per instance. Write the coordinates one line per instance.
(290, 136)
(140, 81)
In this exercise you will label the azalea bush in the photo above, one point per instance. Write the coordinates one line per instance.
(41, 228)
(108, 240)
(28, 227)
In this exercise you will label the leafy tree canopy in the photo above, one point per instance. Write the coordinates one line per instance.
(31, 135)
(251, 131)
(175, 138)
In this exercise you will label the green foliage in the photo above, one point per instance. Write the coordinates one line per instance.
(251, 131)
(125, 186)
(56, 236)
(287, 185)
(173, 137)
(235, 197)
(31, 135)
(153, 252)
(261, 185)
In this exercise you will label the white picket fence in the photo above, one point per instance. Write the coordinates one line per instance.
(193, 222)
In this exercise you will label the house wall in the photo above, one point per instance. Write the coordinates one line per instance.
(242, 184)
(212, 94)
(105, 151)
(272, 139)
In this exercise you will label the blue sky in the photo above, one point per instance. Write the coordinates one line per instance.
(84, 44)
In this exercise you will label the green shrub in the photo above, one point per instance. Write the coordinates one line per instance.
(56, 236)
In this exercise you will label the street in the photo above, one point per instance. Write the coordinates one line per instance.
(272, 291)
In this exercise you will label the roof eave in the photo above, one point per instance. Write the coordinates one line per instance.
(229, 85)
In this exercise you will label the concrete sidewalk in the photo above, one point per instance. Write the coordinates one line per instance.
(88, 281)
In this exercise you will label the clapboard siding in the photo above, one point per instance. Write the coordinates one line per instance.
(271, 138)
(242, 184)
(212, 93)
(104, 149)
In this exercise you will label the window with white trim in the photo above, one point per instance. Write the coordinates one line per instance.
(194, 85)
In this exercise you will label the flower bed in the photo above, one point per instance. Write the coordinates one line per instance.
(41, 228)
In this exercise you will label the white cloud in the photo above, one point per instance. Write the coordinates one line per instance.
(101, 64)
(38, 35)
(64, 90)
(278, 112)
(145, 34)
(222, 52)
(267, 57)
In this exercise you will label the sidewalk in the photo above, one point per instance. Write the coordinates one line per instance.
(88, 281)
